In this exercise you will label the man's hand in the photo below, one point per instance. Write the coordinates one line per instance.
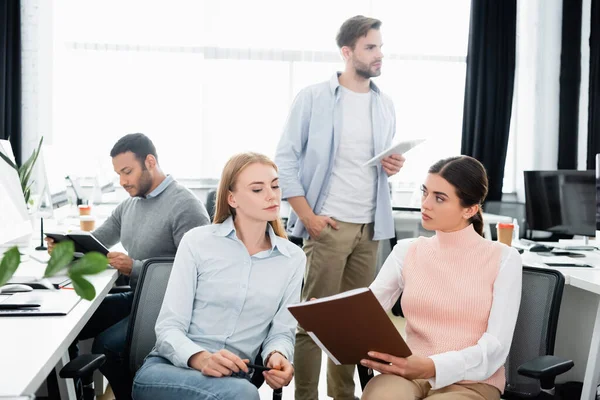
(392, 164)
(413, 367)
(50, 243)
(316, 223)
(120, 261)
(219, 364)
(281, 373)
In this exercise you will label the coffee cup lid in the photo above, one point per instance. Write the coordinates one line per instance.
(505, 225)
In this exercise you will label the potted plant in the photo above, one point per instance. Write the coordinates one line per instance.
(62, 256)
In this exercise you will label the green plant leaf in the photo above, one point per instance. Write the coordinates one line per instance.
(10, 263)
(82, 286)
(28, 165)
(91, 263)
(9, 161)
(26, 179)
(26, 169)
(27, 195)
(61, 256)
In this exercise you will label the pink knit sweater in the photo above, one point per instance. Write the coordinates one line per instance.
(449, 281)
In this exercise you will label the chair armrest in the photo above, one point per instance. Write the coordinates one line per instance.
(82, 366)
(364, 374)
(120, 289)
(397, 308)
(545, 368)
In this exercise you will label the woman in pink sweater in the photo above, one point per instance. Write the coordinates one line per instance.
(460, 295)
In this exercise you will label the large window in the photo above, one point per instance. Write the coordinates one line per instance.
(206, 79)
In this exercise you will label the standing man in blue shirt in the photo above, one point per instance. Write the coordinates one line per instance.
(340, 208)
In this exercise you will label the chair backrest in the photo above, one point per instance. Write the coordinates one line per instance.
(149, 295)
(535, 331)
(511, 209)
(211, 198)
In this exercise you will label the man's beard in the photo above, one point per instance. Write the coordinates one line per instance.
(364, 70)
(145, 184)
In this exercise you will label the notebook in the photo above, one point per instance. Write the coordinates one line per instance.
(49, 302)
(84, 241)
(348, 325)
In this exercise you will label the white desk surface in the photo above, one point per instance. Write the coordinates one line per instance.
(584, 278)
(32, 346)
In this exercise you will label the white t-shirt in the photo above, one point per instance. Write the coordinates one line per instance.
(352, 191)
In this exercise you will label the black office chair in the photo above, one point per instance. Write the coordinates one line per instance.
(531, 367)
(141, 336)
(211, 198)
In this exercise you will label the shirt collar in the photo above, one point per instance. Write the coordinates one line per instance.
(334, 83)
(161, 188)
(227, 229)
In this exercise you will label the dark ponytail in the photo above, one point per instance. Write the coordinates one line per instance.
(477, 221)
(469, 178)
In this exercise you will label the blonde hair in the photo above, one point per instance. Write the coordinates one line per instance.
(232, 170)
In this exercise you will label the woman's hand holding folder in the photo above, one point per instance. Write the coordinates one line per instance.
(412, 367)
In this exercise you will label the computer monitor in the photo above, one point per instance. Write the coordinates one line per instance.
(15, 223)
(103, 184)
(54, 193)
(597, 197)
(562, 202)
(6, 149)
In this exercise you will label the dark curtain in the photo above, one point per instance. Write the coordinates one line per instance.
(10, 74)
(593, 145)
(570, 80)
(489, 87)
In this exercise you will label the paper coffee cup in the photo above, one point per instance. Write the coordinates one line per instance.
(85, 209)
(505, 233)
(87, 223)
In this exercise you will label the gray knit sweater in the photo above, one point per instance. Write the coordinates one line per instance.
(152, 227)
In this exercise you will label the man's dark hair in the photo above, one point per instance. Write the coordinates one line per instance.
(354, 28)
(137, 143)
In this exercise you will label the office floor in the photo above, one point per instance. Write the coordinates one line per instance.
(288, 392)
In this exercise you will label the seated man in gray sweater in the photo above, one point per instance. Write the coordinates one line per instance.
(149, 224)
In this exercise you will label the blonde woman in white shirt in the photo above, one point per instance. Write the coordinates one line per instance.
(227, 296)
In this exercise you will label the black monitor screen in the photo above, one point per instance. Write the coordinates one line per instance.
(562, 202)
(597, 193)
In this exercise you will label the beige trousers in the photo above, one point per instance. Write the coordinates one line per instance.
(393, 387)
(338, 260)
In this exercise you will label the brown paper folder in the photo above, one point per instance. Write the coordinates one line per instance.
(348, 325)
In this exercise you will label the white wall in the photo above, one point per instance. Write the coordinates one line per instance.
(535, 119)
(36, 52)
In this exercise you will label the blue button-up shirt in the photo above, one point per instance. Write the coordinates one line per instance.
(308, 147)
(161, 187)
(221, 297)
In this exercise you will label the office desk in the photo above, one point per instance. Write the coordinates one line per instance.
(32, 346)
(580, 309)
